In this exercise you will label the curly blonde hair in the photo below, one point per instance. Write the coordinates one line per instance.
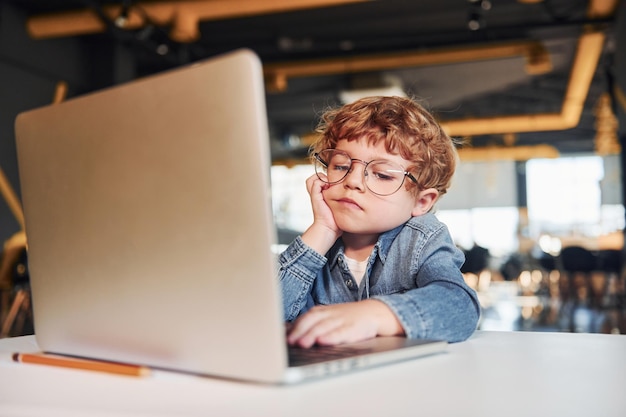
(404, 126)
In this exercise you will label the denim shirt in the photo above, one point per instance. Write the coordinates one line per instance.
(414, 269)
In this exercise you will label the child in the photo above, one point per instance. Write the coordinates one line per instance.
(376, 261)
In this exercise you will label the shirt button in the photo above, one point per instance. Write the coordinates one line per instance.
(349, 283)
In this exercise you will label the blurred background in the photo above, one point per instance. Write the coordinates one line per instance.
(535, 88)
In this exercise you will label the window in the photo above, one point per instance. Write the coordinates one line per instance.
(290, 199)
(565, 198)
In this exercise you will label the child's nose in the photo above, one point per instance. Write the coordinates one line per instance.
(356, 176)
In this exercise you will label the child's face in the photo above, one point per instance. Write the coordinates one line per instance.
(357, 210)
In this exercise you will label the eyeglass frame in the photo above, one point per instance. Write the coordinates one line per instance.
(317, 157)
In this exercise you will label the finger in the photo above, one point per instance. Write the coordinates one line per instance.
(302, 325)
(344, 334)
(314, 185)
(314, 333)
(309, 326)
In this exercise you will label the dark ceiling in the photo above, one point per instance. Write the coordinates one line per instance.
(475, 88)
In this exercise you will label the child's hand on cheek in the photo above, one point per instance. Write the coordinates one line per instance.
(321, 212)
(323, 233)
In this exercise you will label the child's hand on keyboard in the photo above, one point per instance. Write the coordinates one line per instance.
(343, 323)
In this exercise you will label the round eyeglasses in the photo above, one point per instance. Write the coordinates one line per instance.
(381, 177)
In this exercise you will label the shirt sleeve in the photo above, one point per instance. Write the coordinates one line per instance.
(442, 306)
(299, 265)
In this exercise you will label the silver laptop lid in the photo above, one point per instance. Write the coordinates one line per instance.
(149, 225)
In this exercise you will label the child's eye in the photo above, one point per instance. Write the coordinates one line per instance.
(384, 172)
(383, 176)
(340, 168)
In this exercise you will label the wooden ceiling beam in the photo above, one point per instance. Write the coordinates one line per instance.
(184, 16)
(508, 153)
(601, 9)
(537, 61)
(588, 53)
(587, 57)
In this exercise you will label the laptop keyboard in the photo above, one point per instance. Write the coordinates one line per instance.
(316, 354)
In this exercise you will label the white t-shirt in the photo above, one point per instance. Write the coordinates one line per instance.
(357, 268)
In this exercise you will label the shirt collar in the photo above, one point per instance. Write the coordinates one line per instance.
(381, 248)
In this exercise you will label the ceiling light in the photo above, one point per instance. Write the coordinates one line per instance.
(122, 19)
(368, 85)
(476, 19)
(350, 96)
(473, 23)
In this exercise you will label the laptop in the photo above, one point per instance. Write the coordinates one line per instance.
(149, 224)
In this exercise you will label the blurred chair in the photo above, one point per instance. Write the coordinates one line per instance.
(546, 261)
(577, 265)
(476, 260)
(610, 260)
(512, 267)
(15, 307)
(611, 265)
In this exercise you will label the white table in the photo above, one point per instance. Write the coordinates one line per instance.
(493, 374)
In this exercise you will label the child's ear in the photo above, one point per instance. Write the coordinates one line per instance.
(424, 201)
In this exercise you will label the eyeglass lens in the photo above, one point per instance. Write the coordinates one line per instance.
(381, 177)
